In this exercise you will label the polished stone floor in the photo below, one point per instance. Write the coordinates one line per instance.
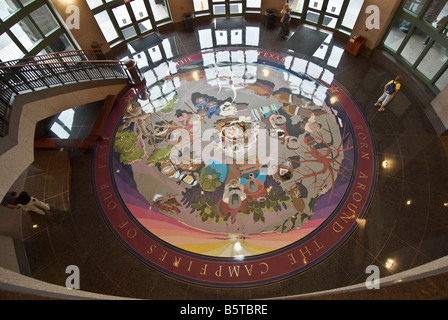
(406, 223)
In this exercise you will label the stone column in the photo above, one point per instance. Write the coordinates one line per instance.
(89, 33)
(386, 9)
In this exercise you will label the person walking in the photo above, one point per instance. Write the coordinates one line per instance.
(285, 20)
(14, 200)
(390, 90)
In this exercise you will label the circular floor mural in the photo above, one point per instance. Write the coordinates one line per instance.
(234, 167)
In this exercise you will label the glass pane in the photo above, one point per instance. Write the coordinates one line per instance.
(219, 9)
(46, 50)
(316, 4)
(312, 17)
(414, 6)
(330, 22)
(25, 2)
(200, 5)
(7, 8)
(433, 61)
(443, 81)
(139, 9)
(335, 6)
(129, 32)
(106, 26)
(94, 3)
(44, 19)
(122, 15)
(414, 46)
(62, 44)
(26, 33)
(159, 9)
(352, 13)
(145, 26)
(8, 49)
(236, 8)
(436, 11)
(253, 4)
(397, 33)
(297, 6)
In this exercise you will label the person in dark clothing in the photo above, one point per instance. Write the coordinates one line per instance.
(285, 20)
(23, 200)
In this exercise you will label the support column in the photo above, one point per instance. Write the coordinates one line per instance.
(386, 9)
(88, 34)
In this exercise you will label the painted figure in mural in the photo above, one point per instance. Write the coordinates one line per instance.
(247, 158)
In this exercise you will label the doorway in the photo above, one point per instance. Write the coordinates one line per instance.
(227, 8)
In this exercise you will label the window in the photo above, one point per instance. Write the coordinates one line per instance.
(128, 20)
(414, 6)
(122, 15)
(397, 33)
(200, 5)
(329, 14)
(443, 80)
(26, 33)
(106, 26)
(417, 37)
(352, 13)
(7, 8)
(30, 27)
(159, 10)
(139, 9)
(433, 61)
(44, 20)
(414, 47)
(9, 50)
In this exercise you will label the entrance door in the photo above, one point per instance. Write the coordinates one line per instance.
(330, 14)
(227, 7)
(324, 12)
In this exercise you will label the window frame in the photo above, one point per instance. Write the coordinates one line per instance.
(47, 40)
(109, 6)
(418, 23)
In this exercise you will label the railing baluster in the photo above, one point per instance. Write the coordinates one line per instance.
(55, 68)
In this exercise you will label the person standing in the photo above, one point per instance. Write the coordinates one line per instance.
(285, 20)
(14, 200)
(390, 90)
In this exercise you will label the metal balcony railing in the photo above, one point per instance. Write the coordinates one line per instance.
(53, 69)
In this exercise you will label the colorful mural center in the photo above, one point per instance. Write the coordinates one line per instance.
(232, 168)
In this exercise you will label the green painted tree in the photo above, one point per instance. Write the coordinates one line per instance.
(125, 144)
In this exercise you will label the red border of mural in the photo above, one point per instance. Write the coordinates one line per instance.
(254, 270)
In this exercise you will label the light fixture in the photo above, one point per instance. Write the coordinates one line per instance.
(408, 202)
(333, 100)
(389, 263)
(361, 222)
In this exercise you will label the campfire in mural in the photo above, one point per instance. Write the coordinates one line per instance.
(235, 153)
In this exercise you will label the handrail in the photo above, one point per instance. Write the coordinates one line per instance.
(59, 54)
(63, 62)
(53, 69)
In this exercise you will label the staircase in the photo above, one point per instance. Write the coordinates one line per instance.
(55, 69)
